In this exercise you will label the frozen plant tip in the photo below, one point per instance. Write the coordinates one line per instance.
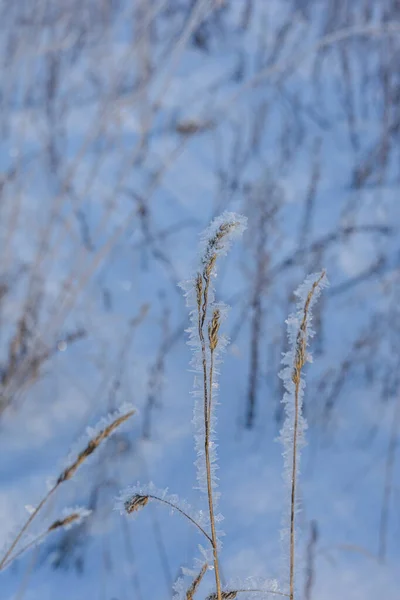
(135, 503)
(292, 433)
(94, 443)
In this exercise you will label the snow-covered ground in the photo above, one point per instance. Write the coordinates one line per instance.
(125, 129)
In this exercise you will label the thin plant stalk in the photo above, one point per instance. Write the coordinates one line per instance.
(202, 311)
(183, 513)
(260, 591)
(56, 525)
(31, 544)
(293, 495)
(67, 474)
(4, 561)
(299, 362)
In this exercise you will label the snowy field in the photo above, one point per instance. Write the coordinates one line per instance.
(127, 126)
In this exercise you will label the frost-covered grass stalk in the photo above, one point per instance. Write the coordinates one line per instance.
(71, 517)
(206, 318)
(292, 433)
(97, 435)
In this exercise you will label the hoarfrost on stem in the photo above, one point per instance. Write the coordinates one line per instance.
(299, 327)
(215, 241)
(173, 501)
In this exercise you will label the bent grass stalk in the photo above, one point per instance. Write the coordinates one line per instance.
(67, 474)
(68, 520)
(139, 501)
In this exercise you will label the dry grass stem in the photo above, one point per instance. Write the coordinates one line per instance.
(138, 501)
(196, 582)
(183, 513)
(202, 312)
(68, 520)
(8, 553)
(214, 244)
(299, 362)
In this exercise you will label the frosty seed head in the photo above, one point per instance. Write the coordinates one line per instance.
(69, 472)
(63, 522)
(229, 595)
(199, 290)
(135, 503)
(71, 516)
(301, 341)
(216, 241)
(213, 328)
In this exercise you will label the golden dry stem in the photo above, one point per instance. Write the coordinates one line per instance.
(299, 362)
